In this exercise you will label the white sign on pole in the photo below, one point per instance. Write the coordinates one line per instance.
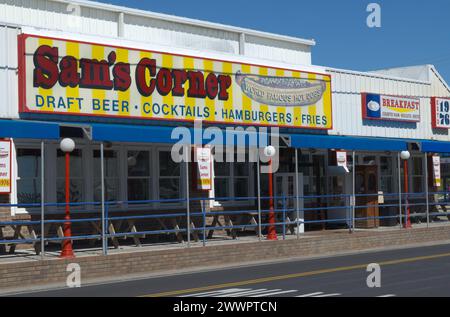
(341, 157)
(204, 163)
(5, 167)
(437, 170)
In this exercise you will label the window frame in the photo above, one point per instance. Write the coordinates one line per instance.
(231, 189)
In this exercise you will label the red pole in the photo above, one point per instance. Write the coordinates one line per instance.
(272, 234)
(67, 250)
(405, 178)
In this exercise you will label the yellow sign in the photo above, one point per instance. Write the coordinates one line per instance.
(65, 77)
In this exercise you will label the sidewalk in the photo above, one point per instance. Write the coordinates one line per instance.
(30, 270)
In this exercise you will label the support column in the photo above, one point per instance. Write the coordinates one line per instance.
(353, 191)
(426, 191)
(42, 200)
(258, 176)
(297, 198)
(188, 212)
(102, 172)
(399, 191)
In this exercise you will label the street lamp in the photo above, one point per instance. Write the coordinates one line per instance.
(67, 146)
(405, 155)
(270, 151)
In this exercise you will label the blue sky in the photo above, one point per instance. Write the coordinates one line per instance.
(412, 32)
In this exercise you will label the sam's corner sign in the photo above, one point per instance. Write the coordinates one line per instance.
(66, 77)
(393, 108)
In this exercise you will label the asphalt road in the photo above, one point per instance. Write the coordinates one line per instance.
(421, 271)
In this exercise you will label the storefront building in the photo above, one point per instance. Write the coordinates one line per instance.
(119, 81)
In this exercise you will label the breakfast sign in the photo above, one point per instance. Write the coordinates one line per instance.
(66, 77)
(393, 108)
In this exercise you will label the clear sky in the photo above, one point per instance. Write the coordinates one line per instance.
(412, 32)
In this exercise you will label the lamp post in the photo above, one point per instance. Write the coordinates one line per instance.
(269, 151)
(67, 146)
(405, 155)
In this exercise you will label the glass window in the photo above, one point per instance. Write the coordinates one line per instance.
(76, 192)
(111, 164)
(139, 179)
(386, 174)
(232, 179)
(169, 177)
(29, 176)
(417, 174)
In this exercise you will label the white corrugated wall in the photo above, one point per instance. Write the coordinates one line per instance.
(55, 15)
(8, 72)
(347, 114)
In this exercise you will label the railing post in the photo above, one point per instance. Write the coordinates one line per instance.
(106, 227)
(353, 202)
(188, 216)
(399, 191)
(102, 175)
(426, 190)
(204, 222)
(42, 200)
(258, 176)
(284, 217)
(297, 198)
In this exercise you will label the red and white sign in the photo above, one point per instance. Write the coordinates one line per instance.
(440, 113)
(204, 163)
(5, 167)
(437, 170)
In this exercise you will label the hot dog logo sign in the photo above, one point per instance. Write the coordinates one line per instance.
(66, 77)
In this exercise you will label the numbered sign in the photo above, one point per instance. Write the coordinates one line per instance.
(440, 108)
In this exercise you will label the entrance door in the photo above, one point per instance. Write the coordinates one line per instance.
(285, 192)
(366, 185)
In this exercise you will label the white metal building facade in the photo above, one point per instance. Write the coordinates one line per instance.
(118, 26)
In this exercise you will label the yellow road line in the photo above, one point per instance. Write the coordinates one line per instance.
(294, 275)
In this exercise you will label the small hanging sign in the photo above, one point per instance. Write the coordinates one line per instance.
(5, 167)
(204, 171)
(341, 158)
(436, 170)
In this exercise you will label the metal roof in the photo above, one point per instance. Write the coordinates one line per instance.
(186, 21)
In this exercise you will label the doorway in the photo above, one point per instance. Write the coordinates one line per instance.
(366, 188)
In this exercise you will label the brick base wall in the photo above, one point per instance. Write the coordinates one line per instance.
(53, 271)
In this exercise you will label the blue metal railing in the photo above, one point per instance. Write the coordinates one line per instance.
(116, 213)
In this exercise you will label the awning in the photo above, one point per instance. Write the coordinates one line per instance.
(435, 146)
(346, 143)
(171, 135)
(23, 129)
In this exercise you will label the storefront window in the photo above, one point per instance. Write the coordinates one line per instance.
(417, 174)
(232, 179)
(222, 173)
(138, 175)
(169, 177)
(76, 176)
(386, 174)
(29, 176)
(111, 164)
(241, 174)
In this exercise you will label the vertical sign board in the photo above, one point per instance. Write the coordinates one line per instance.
(440, 113)
(341, 158)
(5, 167)
(392, 108)
(436, 170)
(67, 77)
(204, 164)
